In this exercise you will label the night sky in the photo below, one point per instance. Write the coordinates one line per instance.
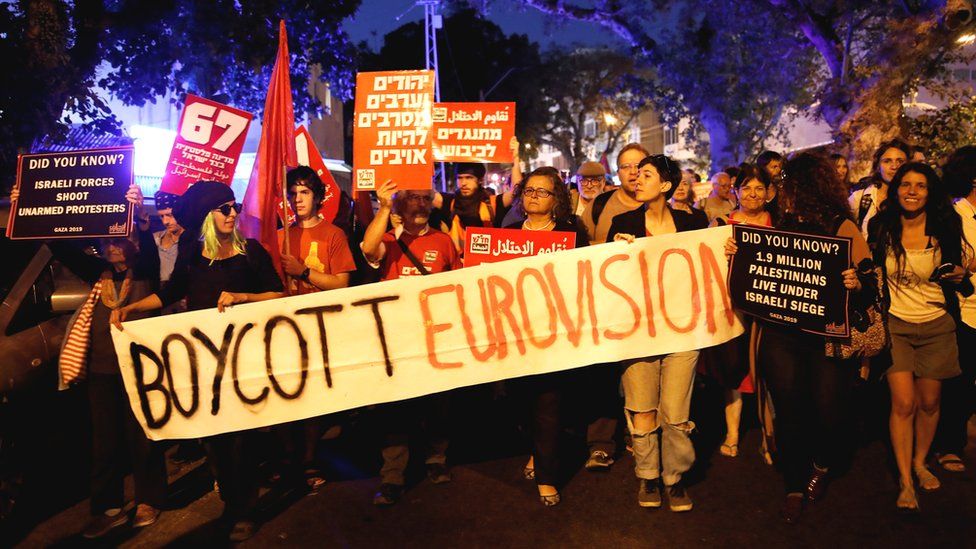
(375, 18)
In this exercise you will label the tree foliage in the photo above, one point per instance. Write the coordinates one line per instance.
(590, 86)
(139, 50)
(732, 68)
(477, 62)
(941, 132)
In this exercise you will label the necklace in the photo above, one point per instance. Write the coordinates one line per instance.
(545, 227)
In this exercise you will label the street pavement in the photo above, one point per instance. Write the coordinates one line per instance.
(488, 504)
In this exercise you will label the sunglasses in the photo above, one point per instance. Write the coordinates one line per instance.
(225, 209)
(668, 164)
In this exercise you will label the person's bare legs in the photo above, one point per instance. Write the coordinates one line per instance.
(901, 424)
(927, 393)
(733, 415)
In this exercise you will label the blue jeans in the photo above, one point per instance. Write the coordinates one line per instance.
(661, 384)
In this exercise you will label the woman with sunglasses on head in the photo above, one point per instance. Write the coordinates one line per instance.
(546, 205)
(657, 389)
(810, 390)
(918, 239)
(217, 267)
(729, 363)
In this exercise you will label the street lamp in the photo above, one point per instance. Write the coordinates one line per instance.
(609, 118)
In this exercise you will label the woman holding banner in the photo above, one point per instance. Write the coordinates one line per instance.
(918, 240)
(546, 205)
(730, 363)
(218, 267)
(657, 389)
(810, 389)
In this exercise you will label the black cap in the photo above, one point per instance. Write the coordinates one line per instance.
(165, 200)
(470, 168)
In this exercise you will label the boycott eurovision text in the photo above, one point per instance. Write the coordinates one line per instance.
(791, 278)
(203, 373)
(73, 194)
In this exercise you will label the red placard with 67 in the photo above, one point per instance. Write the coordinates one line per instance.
(208, 144)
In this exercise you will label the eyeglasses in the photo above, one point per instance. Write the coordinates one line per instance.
(592, 181)
(628, 167)
(538, 193)
(225, 209)
(418, 198)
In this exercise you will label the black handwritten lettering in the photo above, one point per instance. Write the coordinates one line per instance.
(374, 304)
(138, 352)
(233, 369)
(191, 355)
(221, 356)
(302, 347)
(319, 313)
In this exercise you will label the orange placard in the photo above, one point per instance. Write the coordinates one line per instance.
(391, 136)
(473, 132)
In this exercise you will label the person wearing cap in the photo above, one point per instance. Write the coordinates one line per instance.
(217, 267)
(591, 180)
(167, 242)
(471, 205)
(318, 259)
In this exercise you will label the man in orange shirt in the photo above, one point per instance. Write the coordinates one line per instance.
(317, 259)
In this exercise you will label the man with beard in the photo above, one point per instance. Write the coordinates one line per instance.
(471, 205)
(411, 249)
(601, 211)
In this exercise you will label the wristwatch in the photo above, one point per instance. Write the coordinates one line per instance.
(305, 273)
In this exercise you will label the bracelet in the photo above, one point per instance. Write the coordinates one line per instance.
(305, 273)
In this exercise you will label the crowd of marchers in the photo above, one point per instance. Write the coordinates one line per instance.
(912, 228)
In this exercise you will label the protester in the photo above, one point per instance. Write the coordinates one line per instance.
(123, 274)
(730, 363)
(473, 205)
(684, 196)
(603, 406)
(218, 267)
(809, 389)
(843, 171)
(397, 253)
(657, 389)
(545, 201)
(720, 201)
(918, 238)
(317, 258)
(772, 163)
(592, 180)
(959, 393)
(865, 200)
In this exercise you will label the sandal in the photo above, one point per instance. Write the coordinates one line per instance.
(907, 502)
(550, 500)
(951, 463)
(729, 450)
(528, 473)
(926, 480)
(314, 478)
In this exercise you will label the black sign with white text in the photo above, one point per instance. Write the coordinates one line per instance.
(73, 194)
(791, 278)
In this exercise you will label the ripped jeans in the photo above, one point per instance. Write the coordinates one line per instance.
(661, 384)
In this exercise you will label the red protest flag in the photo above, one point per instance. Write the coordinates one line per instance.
(264, 200)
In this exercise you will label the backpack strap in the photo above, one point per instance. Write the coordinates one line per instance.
(413, 259)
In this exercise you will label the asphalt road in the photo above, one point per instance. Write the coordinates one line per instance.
(489, 505)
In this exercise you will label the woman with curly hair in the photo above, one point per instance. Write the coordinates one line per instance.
(547, 206)
(809, 389)
(918, 240)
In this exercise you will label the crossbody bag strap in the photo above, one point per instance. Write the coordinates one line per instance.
(413, 259)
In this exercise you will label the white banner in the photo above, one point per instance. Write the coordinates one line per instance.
(202, 373)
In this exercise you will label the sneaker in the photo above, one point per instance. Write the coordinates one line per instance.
(599, 461)
(678, 498)
(104, 523)
(388, 495)
(649, 493)
(243, 530)
(438, 473)
(145, 515)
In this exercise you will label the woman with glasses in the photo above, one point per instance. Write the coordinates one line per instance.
(918, 239)
(217, 267)
(729, 363)
(657, 389)
(865, 200)
(546, 203)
